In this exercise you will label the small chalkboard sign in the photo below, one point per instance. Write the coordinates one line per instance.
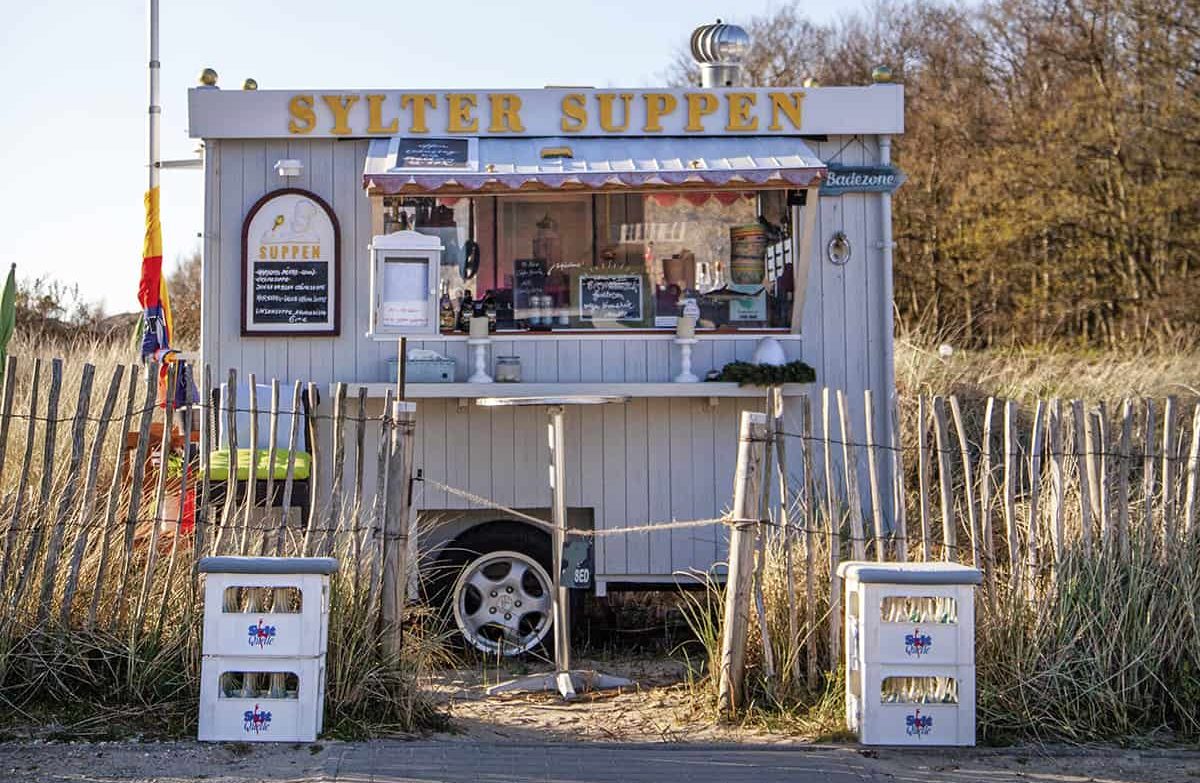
(529, 279)
(290, 259)
(611, 296)
(433, 154)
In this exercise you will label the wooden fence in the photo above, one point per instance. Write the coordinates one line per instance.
(105, 510)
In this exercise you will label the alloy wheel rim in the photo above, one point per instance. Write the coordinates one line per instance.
(502, 603)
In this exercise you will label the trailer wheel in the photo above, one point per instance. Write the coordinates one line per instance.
(495, 582)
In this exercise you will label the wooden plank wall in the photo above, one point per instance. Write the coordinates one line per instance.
(652, 460)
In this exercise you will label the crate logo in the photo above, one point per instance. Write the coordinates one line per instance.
(261, 636)
(917, 643)
(256, 721)
(915, 725)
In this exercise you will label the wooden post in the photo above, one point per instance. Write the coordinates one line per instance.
(760, 555)
(68, 493)
(1169, 446)
(745, 511)
(231, 447)
(942, 439)
(337, 490)
(810, 522)
(1011, 468)
(42, 513)
(873, 474)
(272, 454)
(985, 495)
(252, 470)
(1057, 479)
(160, 501)
(1148, 460)
(785, 521)
(850, 465)
(84, 519)
(114, 498)
(1123, 449)
(1085, 503)
(11, 556)
(316, 469)
(360, 437)
(1193, 477)
(395, 538)
(964, 450)
(900, 494)
(1035, 487)
(1092, 447)
(289, 476)
(379, 503)
(923, 477)
(835, 531)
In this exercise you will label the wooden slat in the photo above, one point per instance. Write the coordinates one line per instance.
(268, 539)
(985, 493)
(358, 513)
(1085, 503)
(1149, 459)
(1057, 481)
(333, 521)
(33, 548)
(6, 406)
(834, 521)
(945, 479)
(208, 417)
(231, 447)
(114, 498)
(923, 478)
(1092, 447)
(379, 508)
(1193, 477)
(252, 474)
(160, 499)
(85, 521)
(1170, 443)
(1124, 465)
(811, 518)
(68, 493)
(873, 478)
(12, 535)
(1011, 477)
(786, 521)
(289, 476)
(964, 450)
(177, 528)
(850, 463)
(1035, 487)
(900, 493)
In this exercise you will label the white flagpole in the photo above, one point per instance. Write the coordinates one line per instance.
(155, 110)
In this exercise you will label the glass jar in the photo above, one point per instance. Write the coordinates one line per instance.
(508, 369)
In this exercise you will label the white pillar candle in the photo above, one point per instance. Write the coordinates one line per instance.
(685, 328)
(479, 327)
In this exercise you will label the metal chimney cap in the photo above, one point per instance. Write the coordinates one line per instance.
(719, 43)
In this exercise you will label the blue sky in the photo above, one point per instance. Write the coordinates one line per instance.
(72, 138)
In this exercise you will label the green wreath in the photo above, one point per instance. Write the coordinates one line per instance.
(749, 374)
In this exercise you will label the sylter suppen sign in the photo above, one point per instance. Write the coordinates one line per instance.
(290, 261)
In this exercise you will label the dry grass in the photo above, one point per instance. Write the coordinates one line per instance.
(124, 657)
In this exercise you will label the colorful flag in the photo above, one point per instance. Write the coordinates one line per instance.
(152, 291)
(8, 315)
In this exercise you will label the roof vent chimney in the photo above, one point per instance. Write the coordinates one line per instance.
(718, 49)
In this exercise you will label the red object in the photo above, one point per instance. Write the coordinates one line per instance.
(188, 523)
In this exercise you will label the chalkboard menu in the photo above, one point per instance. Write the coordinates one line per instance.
(290, 260)
(433, 154)
(611, 296)
(529, 279)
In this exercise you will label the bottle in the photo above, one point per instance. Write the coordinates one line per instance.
(446, 311)
(465, 308)
(489, 309)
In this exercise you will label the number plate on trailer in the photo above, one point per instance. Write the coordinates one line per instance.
(577, 564)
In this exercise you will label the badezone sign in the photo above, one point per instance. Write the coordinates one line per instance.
(860, 179)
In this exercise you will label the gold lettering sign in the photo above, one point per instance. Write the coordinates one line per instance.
(509, 113)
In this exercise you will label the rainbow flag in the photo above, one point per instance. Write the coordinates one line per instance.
(152, 290)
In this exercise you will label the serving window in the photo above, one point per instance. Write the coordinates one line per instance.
(546, 262)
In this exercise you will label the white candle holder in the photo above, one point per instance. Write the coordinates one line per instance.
(685, 361)
(480, 346)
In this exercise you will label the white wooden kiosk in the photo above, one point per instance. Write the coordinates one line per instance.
(544, 197)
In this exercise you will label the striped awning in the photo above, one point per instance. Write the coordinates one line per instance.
(596, 164)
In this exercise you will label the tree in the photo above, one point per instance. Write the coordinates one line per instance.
(183, 285)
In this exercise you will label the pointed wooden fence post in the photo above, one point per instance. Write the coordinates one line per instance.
(738, 586)
(395, 538)
(942, 439)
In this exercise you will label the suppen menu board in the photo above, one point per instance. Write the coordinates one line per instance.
(295, 292)
(611, 297)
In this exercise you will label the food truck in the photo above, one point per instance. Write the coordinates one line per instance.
(598, 241)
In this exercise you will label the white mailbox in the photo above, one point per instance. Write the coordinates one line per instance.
(266, 632)
(910, 652)
(405, 280)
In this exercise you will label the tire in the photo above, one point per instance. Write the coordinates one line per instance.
(487, 557)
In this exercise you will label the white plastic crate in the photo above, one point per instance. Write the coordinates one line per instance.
(910, 620)
(266, 633)
(230, 712)
(882, 713)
